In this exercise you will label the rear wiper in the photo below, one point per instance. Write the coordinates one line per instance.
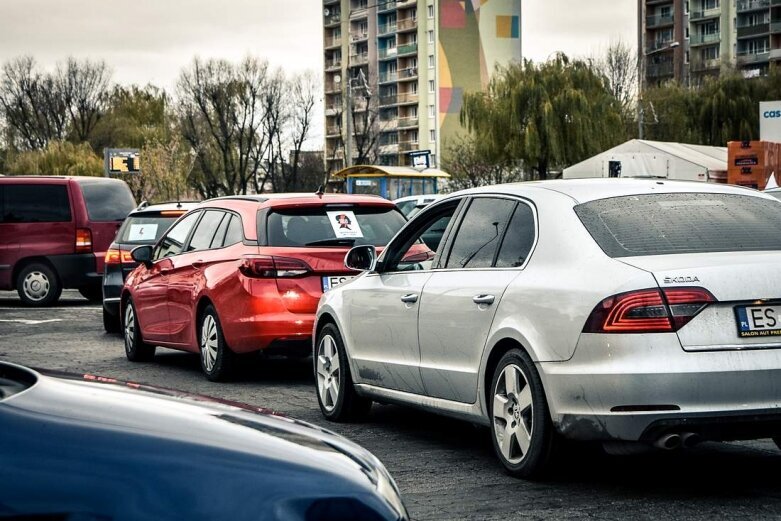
(332, 242)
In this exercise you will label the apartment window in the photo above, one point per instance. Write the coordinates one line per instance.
(431, 61)
(710, 53)
(686, 7)
(666, 11)
(711, 27)
(431, 36)
(432, 136)
(413, 87)
(686, 57)
(414, 136)
(431, 86)
(686, 32)
(432, 111)
(710, 4)
(431, 11)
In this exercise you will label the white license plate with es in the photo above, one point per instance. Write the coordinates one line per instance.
(335, 280)
(758, 320)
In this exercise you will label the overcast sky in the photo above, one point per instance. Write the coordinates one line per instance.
(149, 41)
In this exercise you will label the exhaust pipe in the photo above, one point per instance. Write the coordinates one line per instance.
(668, 442)
(690, 439)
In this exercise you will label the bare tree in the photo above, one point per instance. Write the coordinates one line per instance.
(84, 87)
(619, 68)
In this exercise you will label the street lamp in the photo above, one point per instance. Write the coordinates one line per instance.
(642, 56)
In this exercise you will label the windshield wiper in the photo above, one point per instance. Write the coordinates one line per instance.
(332, 242)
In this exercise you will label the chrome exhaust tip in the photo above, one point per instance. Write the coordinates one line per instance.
(668, 442)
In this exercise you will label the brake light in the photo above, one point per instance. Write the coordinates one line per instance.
(117, 256)
(83, 240)
(266, 266)
(648, 311)
(173, 213)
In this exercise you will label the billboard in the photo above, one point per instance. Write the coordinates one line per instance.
(770, 121)
(119, 161)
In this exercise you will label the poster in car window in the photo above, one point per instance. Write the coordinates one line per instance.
(142, 232)
(344, 224)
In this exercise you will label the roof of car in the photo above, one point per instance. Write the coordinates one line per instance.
(169, 206)
(584, 190)
(288, 198)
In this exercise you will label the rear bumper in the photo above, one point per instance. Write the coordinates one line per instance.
(270, 331)
(639, 387)
(77, 270)
(113, 281)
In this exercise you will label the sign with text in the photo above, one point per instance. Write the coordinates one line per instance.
(770, 121)
(121, 161)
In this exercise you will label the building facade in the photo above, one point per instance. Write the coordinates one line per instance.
(396, 70)
(688, 40)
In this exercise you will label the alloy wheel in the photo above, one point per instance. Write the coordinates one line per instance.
(328, 372)
(513, 414)
(209, 342)
(36, 286)
(130, 327)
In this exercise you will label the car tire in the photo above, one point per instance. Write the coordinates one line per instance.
(112, 324)
(93, 294)
(38, 285)
(336, 394)
(217, 360)
(521, 430)
(136, 349)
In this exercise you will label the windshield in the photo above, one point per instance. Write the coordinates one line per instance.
(333, 226)
(107, 200)
(144, 229)
(659, 224)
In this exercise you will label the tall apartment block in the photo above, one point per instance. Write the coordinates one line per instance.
(688, 40)
(396, 72)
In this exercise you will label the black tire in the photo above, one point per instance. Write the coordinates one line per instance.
(218, 362)
(38, 285)
(136, 349)
(342, 403)
(112, 324)
(92, 293)
(520, 418)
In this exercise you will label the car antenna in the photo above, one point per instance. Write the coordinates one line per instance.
(320, 191)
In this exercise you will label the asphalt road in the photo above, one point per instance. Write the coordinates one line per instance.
(444, 468)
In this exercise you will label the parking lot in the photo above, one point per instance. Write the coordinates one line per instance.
(444, 468)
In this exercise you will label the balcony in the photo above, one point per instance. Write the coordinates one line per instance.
(752, 5)
(659, 45)
(387, 5)
(410, 48)
(408, 122)
(388, 77)
(333, 110)
(704, 39)
(775, 27)
(658, 20)
(408, 146)
(330, 43)
(705, 65)
(749, 57)
(407, 24)
(696, 16)
(389, 125)
(331, 65)
(775, 54)
(357, 60)
(359, 37)
(332, 19)
(332, 88)
(749, 31)
(387, 53)
(333, 131)
(389, 100)
(407, 97)
(408, 74)
(401, 4)
(659, 70)
(358, 13)
(386, 29)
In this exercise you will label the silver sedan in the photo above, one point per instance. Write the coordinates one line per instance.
(626, 311)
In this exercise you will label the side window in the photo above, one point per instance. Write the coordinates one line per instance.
(36, 203)
(235, 232)
(173, 242)
(417, 250)
(518, 240)
(480, 233)
(205, 231)
(219, 235)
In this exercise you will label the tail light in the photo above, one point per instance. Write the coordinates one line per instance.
(83, 240)
(266, 267)
(648, 311)
(117, 256)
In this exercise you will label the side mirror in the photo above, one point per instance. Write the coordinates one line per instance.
(142, 254)
(361, 258)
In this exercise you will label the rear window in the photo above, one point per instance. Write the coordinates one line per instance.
(660, 224)
(107, 201)
(34, 203)
(333, 226)
(144, 229)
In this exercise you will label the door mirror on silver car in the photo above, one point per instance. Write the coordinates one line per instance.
(361, 258)
(142, 254)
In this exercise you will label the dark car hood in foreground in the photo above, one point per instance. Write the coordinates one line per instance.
(115, 450)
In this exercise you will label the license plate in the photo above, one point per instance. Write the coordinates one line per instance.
(758, 320)
(335, 280)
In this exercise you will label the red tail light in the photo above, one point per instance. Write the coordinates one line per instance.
(83, 240)
(648, 311)
(116, 256)
(266, 266)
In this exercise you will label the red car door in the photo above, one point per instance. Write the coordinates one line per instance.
(150, 297)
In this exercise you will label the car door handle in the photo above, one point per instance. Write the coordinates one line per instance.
(165, 271)
(483, 299)
(198, 264)
(410, 299)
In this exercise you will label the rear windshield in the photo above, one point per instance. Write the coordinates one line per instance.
(106, 200)
(333, 226)
(660, 224)
(144, 229)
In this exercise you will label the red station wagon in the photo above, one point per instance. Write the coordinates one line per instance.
(244, 274)
(54, 233)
